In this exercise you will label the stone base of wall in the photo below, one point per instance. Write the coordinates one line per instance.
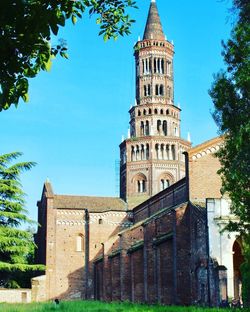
(38, 285)
(15, 295)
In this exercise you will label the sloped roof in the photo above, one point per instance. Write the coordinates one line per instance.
(92, 203)
(153, 29)
(206, 147)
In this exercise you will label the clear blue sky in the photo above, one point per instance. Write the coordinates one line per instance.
(78, 112)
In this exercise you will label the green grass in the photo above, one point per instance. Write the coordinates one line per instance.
(93, 306)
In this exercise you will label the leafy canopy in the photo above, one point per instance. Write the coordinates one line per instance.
(230, 94)
(16, 245)
(26, 27)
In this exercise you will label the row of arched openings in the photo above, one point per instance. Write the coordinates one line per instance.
(156, 65)
(165, 151)
(140, 152)
(156, 112)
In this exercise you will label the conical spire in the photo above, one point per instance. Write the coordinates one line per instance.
(153, 29)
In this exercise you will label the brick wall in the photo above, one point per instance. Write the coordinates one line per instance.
(203, 178)
(151, 261)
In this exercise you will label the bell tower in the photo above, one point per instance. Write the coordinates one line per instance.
(152, 155)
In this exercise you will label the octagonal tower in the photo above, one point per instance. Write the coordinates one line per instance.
(152, 155)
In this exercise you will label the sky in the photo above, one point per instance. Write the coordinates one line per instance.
(73, 124)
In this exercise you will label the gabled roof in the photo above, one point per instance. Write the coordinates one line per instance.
(92, 203)
(153, 29)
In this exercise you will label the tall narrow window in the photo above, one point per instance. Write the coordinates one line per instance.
(147, 151)
(142, 128)
(165, 130)
(157, 89)
(79, 243)
(161, 90)
(147, 128)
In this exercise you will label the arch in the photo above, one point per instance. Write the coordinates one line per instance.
(145, 90)
(144, 112)
(161, 112)
(147, 127)
(167, 111)
(156, 111)
(173, 151)
(147, 151)
(150, 111)
(165, 128)
(165, 180)
(157, 150)
(157, 89)
(159, 126)
(142, 128)
(140, 183)
(161, 90)
(238, 259)
(139, 113)
(132, 153)
(137, 152)
(79, 242)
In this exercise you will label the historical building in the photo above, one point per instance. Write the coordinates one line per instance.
(152, 156)
(160, 242)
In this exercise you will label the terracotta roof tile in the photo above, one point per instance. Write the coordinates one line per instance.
(92, 203)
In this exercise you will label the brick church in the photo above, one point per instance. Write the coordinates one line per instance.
(160, 241)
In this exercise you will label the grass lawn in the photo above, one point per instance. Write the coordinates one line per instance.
(93, 306)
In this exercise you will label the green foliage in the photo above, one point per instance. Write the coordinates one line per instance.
(93, 306)
(26, 27)
(230, 94)
(16, 245)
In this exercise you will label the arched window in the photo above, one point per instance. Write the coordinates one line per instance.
(147, 128)
(100, 221)
(165, 180)
(137, 153)
(162, 65)
(139, 113)
(145, 90)
(150, 111)
(167, 152)
(142, 128)
(173, 152)
(164, 127)
(157, 151)
(161, 111)
(142, 152)
(157, 89)
(167, 112)
(140, 181)
(79, 243)
(164, 184)
(162, 151)
(147, 151)
(156, 111)
(144, 112)
(132, 153)
(149, 89)
(158, 125)
(161, 91)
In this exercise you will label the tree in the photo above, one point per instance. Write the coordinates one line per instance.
(230, 94)
(26, 27)
(16, 245)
